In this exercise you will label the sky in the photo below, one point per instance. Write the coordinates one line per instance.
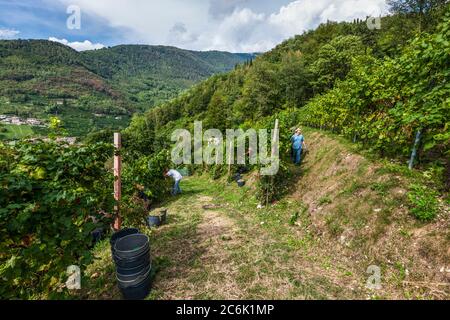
(225, 25)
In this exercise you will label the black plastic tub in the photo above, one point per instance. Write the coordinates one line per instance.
(153, 221)
(132, 262)
(135, 281)
(138, 273)
(97, 235)
(241, 183)
(133, 271)
(137, 292)
(120, 234)
(131, 246)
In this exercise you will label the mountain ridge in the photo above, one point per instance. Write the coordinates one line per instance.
(40, 78)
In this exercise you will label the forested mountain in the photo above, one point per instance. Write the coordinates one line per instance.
(380, 88)
(150, 75)
(39, 78)
(160, 61)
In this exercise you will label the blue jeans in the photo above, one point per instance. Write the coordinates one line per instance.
(297, 155)
(176, 188)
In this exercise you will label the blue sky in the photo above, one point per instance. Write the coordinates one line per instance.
(41, 19)
(229, 25)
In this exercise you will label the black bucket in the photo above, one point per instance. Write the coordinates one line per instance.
(136, 292)
(133, 274)
(97, 235)
(131, 254)
(142, 277)
(132, 262)
(133, 271)
(153, 221)
(120, 234)
(241, 183)
(131, 246)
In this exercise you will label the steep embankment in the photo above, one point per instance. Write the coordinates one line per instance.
(360, 208)
(344, 214)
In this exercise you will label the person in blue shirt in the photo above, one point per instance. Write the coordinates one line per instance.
(298, 142)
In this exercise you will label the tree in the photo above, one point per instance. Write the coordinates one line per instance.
(422, 8)
(216, 116)
(139, 136)
(261, 91)
(295, 79)
(335, 60)
(415, 6)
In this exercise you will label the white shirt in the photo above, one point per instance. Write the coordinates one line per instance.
(175, 175)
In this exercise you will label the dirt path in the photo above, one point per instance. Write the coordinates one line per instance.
(217, 236)
(201, 266)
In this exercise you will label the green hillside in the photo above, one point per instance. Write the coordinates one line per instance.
(309, 232)
(376, 87)
(365, 100)
(150, 75)
(40, 78)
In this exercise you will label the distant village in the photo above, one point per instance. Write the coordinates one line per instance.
(14, 120)
(68, 140)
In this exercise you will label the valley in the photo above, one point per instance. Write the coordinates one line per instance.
(39, 79)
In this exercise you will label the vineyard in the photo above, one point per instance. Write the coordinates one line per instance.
(384, 103)
(368, 102)
(53, 197)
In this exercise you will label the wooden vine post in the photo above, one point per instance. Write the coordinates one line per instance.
(229, 157)
(117, 180)
(414, 150)
(273, 154)
(275, 136)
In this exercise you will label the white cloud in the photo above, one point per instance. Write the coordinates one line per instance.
(229, 25)
(302, 15)
(179, 34)
(8, 33)
(240, 31)
(149, 21)
(247, 31)
(79, 46)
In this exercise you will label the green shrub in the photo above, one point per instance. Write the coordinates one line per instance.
(147, 171)
(49, 196)
(423, 202)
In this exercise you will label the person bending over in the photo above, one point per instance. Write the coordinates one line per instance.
(176, 176)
